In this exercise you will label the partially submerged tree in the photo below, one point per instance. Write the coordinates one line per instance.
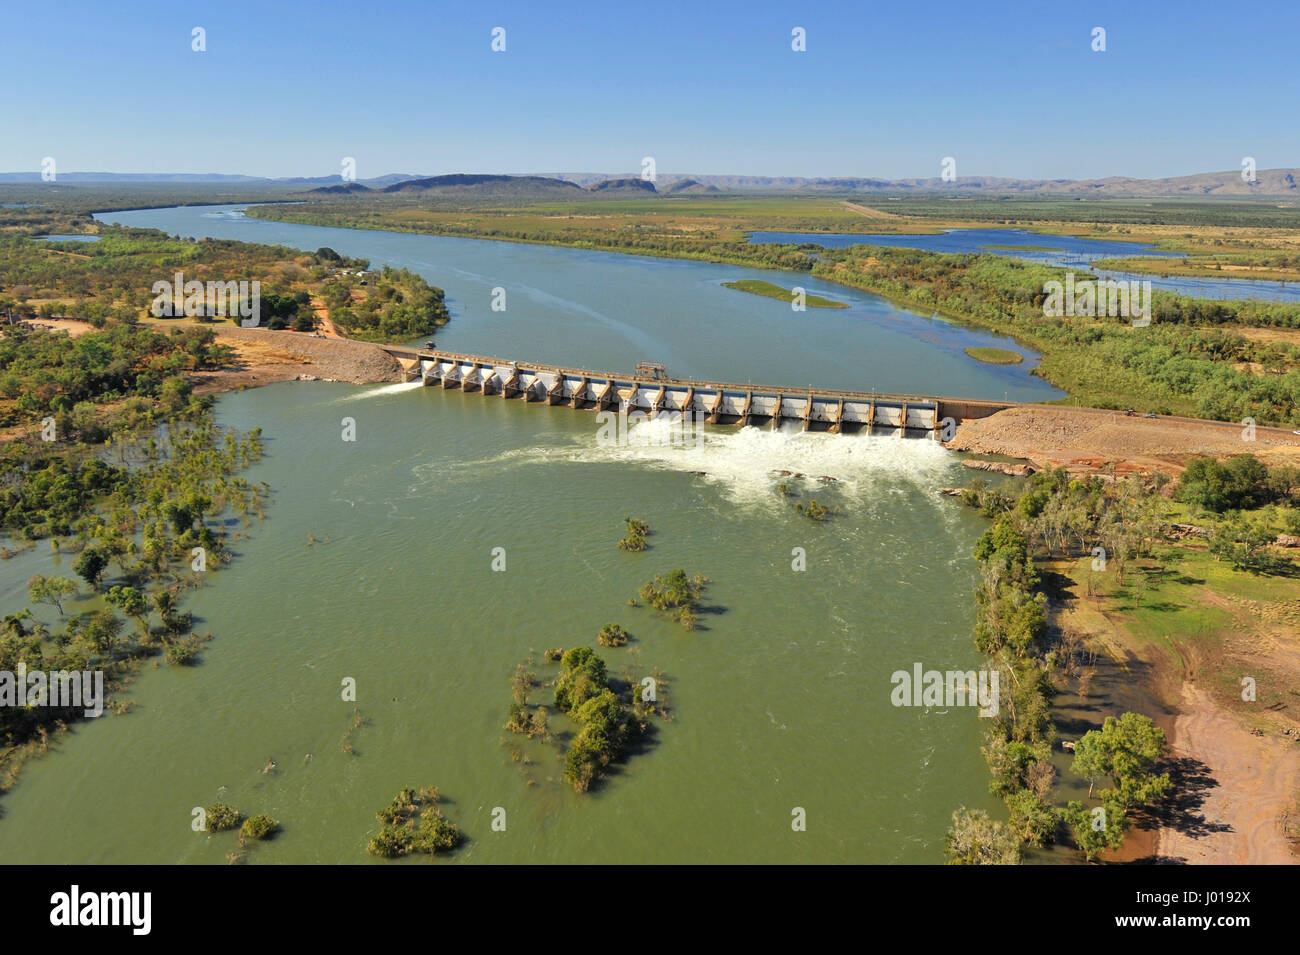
(975, 839)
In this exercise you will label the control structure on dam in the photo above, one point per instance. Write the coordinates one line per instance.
(653, 393)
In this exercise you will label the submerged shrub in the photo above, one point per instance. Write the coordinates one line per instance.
(260, 826)
(612, 635)
(400, 834)
(221, 817)
(677, 595)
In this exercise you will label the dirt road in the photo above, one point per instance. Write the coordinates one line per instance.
(1236, 790)
(1087, 439)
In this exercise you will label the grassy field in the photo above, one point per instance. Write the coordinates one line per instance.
(995, 356)
(768, 290)
(1257, 233)
(1120, 214)
(1202, 618)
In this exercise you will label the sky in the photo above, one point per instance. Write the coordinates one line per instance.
(883, 89)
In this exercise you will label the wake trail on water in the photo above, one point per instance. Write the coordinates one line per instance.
(395, 389)
(747, 465)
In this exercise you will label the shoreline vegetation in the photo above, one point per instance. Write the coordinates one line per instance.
(1261, 267)
(768, 290)
(995, 356)
(110, 450)
(1144, 572)
(126, 473)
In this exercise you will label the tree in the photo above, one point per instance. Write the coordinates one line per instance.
(132, 603)
(90, 565)
(1240, 482)
(1033, 821)
(15, 624)
(975, 839)
(51, 590)
(99, 632)
(220, 817)
(1127, 750)
(173, 621)
(1244, 544)
(175, 393)
(611, 635)
(582, 677)
(260, 826)
(1099, 828)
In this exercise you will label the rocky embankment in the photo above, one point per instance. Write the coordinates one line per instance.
(264, 356)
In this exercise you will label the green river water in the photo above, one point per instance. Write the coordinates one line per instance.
(781, 699)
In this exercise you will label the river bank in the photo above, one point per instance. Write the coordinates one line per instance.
(1091, 439)
(1043, 434)
(1178, 654)
(264, 356)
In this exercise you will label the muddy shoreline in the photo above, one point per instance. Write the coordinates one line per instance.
(1093, 440)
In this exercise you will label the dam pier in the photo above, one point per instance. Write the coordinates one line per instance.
(652, 392)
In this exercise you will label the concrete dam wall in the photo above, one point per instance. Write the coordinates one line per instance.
(715, 402)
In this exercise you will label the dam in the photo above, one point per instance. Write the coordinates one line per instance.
(653, 393)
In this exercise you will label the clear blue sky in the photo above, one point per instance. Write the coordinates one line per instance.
(885, 88)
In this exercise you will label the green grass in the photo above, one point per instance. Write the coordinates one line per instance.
(995, 356)
(1174, 603)
(767, 289)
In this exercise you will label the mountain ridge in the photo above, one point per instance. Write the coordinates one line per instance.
(1268, 183)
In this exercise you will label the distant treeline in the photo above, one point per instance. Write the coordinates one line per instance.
(1012, 210)
(113, 279)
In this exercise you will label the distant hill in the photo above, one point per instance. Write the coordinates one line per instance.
(631, 186)
(378, 182)
(195, 177)
(687, 187)
(346, 188)
(485, 185)
(129, 177)
(1268, 182)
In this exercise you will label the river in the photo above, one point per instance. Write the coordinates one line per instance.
(376, 564)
